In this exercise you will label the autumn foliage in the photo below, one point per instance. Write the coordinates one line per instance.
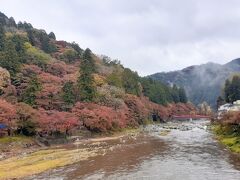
(54, 87)
(56, 121)
(7, 113)
(100, 118)
(231, 118)
(22, 117)
(113, 109)
(8, 117)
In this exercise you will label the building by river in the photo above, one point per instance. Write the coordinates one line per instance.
(228, 108)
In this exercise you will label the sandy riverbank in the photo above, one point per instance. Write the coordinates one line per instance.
(35, 160)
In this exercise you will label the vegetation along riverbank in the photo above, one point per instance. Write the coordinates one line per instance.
(228, 132)
(227, 123)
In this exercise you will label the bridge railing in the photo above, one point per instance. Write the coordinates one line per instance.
(190, 117)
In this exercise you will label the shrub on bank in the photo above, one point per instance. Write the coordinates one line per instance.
(228, 135)
(231, 118)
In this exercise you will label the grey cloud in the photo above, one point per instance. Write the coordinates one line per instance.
(147, 36)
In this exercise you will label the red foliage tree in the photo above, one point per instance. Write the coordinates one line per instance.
(56, 121)
(62, 44)
(7, 115)
(100, 118)
(137, 110)
(141, 108)
(49, 78)
(27, 119)
(58, 68)
(31, 69)
(51, 88)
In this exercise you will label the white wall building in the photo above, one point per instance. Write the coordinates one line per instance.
(228, 107)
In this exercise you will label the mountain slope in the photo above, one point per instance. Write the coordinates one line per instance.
(201, 82)
(53, 87)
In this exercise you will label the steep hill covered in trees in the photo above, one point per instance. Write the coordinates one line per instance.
(203, 82)
(53, 87)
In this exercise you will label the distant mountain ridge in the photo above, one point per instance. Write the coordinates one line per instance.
(201, 82)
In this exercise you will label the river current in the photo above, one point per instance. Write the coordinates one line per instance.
(172, 151)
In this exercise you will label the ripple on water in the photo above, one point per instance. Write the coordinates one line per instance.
(191, 154)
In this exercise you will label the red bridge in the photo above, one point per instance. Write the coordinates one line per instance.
(190, 117)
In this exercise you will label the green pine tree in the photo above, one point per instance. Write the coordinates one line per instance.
(9, 58)
(182, 95)
(156, 91)
(19, 42)
(235, 88)
(227, 91)
(51, 35)
(232, 89)
(220, 101)
(46, 44)
(130, 82)
(86, 87)
(68, 93)
(175, 94)
(29, 95)
(2, 38)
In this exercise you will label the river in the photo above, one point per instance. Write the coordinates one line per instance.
(172, 151)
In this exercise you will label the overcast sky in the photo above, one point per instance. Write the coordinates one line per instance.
(146, 35)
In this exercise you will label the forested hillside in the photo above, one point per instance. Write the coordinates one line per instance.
(203, 82)
(49, 86)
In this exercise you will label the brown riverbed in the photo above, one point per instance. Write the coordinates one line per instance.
(176, 151)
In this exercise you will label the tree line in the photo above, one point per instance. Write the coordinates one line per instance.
(231, 91)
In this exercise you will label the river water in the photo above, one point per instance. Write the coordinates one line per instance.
(173, 151)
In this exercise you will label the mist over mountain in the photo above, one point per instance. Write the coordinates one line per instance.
(201, 82)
